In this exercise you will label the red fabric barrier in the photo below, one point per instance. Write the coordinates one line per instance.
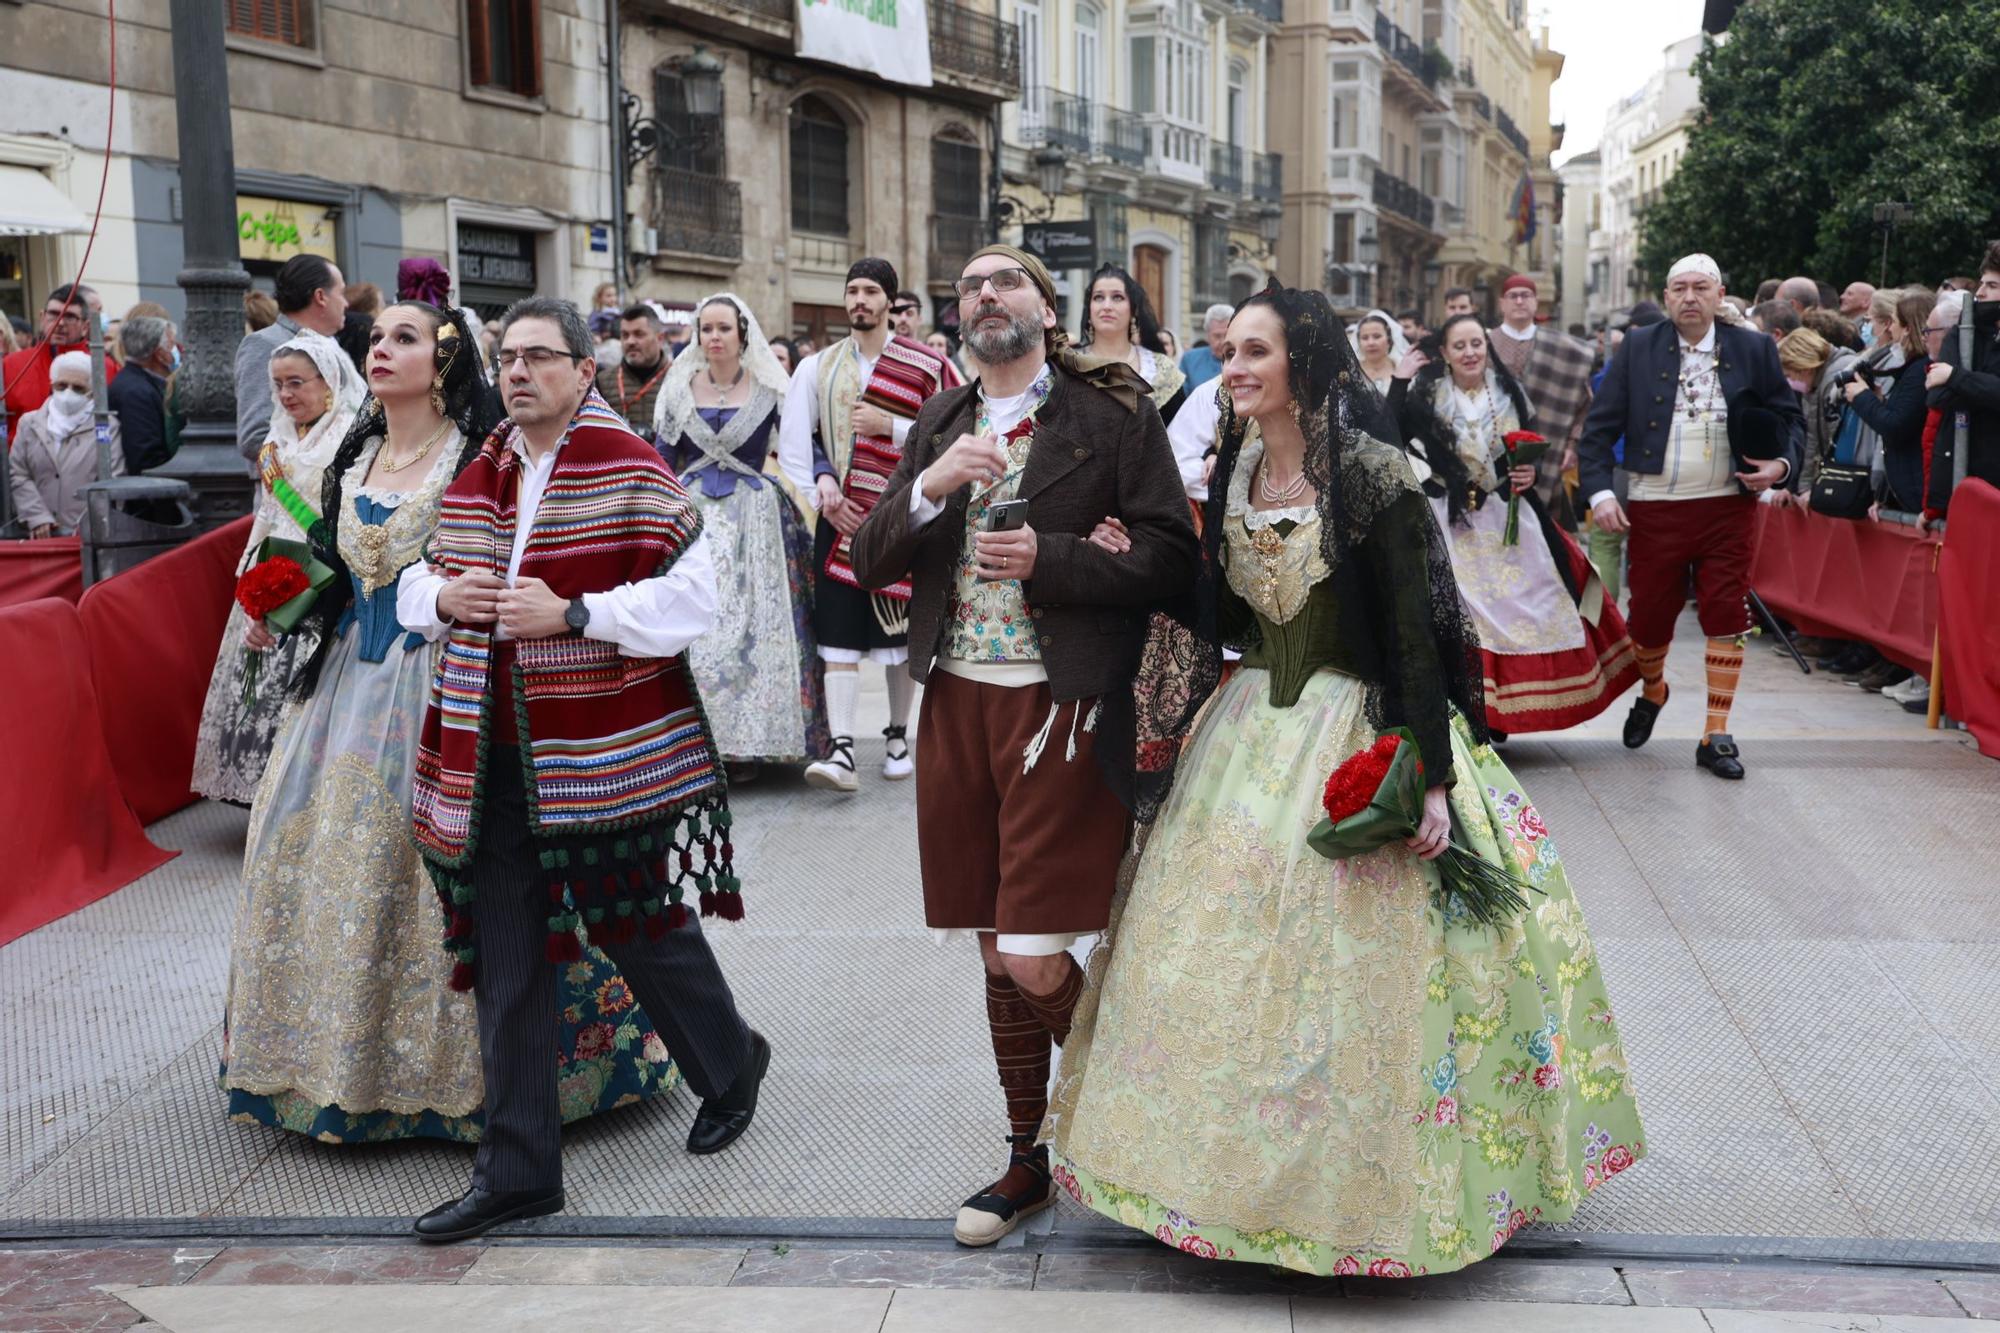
(1969, 598)
(153, 633)
(1838, 579)
(52, 567)
(68, 837)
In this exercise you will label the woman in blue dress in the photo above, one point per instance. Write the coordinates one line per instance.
(758, 669)
(342, 1024)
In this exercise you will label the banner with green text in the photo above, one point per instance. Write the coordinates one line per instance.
(886, 38)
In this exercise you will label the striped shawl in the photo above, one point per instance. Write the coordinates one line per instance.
(623, 782)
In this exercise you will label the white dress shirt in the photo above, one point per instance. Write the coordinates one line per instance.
(656, 617)
(1192, 434)
(1002, 415)
(800, 418)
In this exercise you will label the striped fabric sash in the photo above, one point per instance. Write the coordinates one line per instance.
(905, 376)
(625, 788)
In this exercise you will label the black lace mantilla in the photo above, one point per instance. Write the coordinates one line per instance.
(1426, 651)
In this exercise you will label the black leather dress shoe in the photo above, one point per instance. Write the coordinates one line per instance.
(478, 1211)
(722, 1120)
(1719, 755)
(1639, 722)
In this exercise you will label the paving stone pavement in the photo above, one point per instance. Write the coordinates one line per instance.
(1803, 964)
(805, 1288)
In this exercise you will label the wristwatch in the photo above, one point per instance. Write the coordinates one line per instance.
(577, 616)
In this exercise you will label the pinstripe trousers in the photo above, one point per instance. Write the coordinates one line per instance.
(675, 979)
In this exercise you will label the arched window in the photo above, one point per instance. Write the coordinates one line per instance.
(820, 152)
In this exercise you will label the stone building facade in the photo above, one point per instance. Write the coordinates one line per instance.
(471, 131)
(808, 167)
(1417, 131)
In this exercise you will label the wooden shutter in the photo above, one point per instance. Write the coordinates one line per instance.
(527, 20)
(479, 43)
(285, 21)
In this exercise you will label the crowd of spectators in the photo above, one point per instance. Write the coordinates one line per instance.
(1885, 385)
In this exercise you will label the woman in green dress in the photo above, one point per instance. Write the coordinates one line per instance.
(1300, 1061)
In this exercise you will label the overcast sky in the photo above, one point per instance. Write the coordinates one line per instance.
(1609, 49)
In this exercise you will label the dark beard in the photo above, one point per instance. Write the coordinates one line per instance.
(863, 322)
(1008, 344)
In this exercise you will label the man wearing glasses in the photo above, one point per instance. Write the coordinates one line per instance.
(565, 776)
(839, 438)
(66, 317)
(1022, 627)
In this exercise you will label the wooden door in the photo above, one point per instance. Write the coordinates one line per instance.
(1149, 270)
(822, 323)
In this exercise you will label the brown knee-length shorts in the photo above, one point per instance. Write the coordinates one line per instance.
(1022, 853)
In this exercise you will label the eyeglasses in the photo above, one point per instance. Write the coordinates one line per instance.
(536, 357)
(1937, 328)
(73, 313)
(295, 384)
(1003, 280)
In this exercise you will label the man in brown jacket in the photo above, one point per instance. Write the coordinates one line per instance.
(1017, 634)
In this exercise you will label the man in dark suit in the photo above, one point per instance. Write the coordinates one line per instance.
(1692, 497)
(1019, 632)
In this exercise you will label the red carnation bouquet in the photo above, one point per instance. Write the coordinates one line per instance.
(1377, 798)
(277, 591)
(1524, 449)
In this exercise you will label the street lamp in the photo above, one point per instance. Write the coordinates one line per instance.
(1270, 223)
(701, 82)
(1889, 217)
(1051, 169)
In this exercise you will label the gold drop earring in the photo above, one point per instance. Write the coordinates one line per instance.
(437, 393)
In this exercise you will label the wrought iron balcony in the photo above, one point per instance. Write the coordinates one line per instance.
(1400, 197)
(1512, 133)
(1066, 121)
(1271, 11)
(696, 213)
(1225, 168)
(1407, 51)
(969, 44)
(1267, 177)
(1122, 136)
(781, 10)
(953, 239)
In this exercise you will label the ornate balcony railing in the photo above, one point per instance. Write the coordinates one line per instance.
(953, 239)
(696, 213)
(973, 45)
(1271, 11)
(769, 9)
(1407, 51)
(1512, 133)
(1399, 196)
(1066, 121)
(1225, 168)
(1122, 136)
(1267, 177)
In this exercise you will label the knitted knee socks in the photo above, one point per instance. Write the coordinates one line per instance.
(1055, 1008)
(1021, 1052)
(1725, 667)
(1652, 672)
(901, 690)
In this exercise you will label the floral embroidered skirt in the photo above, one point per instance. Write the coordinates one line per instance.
(342, 1024)
(1547, 667)
(758, 669)
(234, 742)
(1297, 1061)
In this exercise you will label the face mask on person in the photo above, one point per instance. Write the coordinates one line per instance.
(175, 364)
(70, 402)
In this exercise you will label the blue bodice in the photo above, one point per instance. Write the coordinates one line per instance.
(375, 612)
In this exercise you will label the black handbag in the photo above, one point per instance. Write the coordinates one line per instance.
(1843, 490)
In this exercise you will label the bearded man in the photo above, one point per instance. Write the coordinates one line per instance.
(1019, 627)
(840, 435)
(1554, 370)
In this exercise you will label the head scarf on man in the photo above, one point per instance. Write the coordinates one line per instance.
(1113, 377)
(676, 402)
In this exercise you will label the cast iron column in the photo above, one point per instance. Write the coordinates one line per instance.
(214, 278)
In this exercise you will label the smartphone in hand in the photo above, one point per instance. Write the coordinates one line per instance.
(1007, 516)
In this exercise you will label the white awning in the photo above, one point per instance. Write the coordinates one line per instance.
(31, 205)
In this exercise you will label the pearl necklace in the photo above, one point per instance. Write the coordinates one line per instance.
(1271, 495)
